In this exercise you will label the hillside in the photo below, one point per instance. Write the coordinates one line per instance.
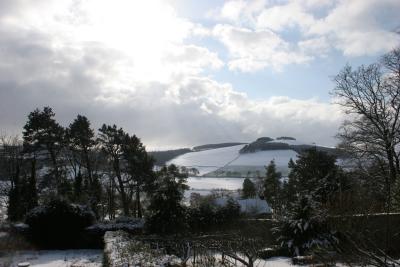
(213, 146)
(246, 159)
(162, 157)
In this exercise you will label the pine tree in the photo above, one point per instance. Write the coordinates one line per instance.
(81, 140)
(111, 140)
(314, 174)
(166, 213)
(139, 166)
(304, 228)
(272, 186)
(43, 134)
(248, 189)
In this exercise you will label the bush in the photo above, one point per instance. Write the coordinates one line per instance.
(59, 224)
(207, 216)
(305, 229)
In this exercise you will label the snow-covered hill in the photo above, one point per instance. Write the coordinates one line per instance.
(229, 162)
(233, 162)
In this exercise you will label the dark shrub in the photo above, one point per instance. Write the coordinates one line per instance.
(59, 224)
(207, 217)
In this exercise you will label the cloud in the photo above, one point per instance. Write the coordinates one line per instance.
(145, 80)
(281, 17)
(361, 27)
(296, 31)
(251, 50)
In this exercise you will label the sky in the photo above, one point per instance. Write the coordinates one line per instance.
(180, 73)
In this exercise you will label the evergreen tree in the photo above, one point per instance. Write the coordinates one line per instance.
(272, 186)
(166, 214)
(81, 140)
(314, 174)
(111, 140)
(139, 166)
(248, 189)
(43, 134)
(304, 228)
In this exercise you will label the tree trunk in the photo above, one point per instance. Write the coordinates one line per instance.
(138, 205)
(124, 198)
(88, 167)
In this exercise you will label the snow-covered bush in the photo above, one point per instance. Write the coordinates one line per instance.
(305, 229)
(59, 224)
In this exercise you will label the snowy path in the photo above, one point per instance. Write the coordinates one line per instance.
(55, 258)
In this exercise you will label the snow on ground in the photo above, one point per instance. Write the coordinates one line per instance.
(229, 159)
(204, 185)
(55, 258)
(207, 160)
(121, 250)
(209, 183)
(271, 262)
(274, 262)
(263, 158)
(3, 208)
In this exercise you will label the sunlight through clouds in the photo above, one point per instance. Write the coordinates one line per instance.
(159, 73)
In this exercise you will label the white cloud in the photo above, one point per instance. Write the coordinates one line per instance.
(308, 29)
(238, 12)
(281, 17)
(254, 50)
(361, 27)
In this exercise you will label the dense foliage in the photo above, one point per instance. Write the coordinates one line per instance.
(207, 216)
(166, 214)
(59, 224)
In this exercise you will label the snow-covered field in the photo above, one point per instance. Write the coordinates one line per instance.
(208, 160)
(263, 158)
(229, 160)
(209, 183)
(204, 185)
(55, 258)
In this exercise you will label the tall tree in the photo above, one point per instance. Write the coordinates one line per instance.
(272, 185)
(22, 191)
(43, 135)
(81, 140)
(166, 213)
(139, 166)
(371, 94)
(248, 189)
(314, 174)
(111, 140)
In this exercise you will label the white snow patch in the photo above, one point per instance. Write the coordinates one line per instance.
(55, 258)
(121, 250)
(209, 183)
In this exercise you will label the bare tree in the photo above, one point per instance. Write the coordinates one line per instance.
(371, 95)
